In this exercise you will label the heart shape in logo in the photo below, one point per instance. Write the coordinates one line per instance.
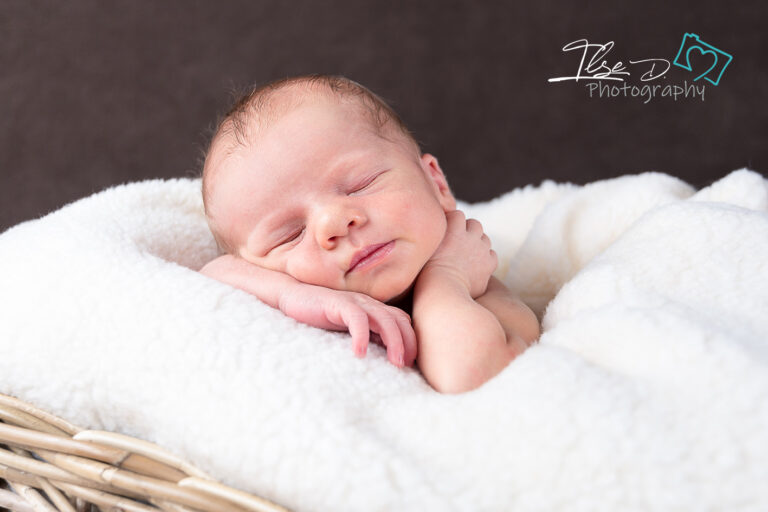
(701, 60)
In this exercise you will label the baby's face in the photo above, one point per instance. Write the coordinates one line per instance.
(320, 196)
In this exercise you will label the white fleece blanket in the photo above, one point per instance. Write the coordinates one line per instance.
(648, 389)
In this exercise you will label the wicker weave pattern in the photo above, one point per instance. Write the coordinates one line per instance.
(49, 465)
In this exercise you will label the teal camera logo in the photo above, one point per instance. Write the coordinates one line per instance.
(702, 52)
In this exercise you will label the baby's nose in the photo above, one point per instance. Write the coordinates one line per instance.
(338, 225)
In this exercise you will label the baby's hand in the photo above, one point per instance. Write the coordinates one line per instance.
(465, 253)
(322, 307)
(360, 314)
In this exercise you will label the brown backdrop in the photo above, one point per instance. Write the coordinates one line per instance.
(96, 93)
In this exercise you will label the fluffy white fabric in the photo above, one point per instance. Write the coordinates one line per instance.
(647, 391)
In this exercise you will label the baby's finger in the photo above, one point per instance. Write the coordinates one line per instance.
(455, 219)
(389, 331)
(409, 339)
(356, 321)
(473, 225)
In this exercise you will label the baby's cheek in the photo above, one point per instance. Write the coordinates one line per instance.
(433, 226)
(298, 267)
(408, 207)
(311, 270)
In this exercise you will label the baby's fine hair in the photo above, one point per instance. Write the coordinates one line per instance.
(262, 105)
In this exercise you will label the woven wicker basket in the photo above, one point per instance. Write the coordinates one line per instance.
(48, 464)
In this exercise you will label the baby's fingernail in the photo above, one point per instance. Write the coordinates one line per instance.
(401, 360)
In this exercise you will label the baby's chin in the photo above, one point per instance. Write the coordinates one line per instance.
(391, 289)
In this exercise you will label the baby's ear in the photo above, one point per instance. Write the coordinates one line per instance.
(436, 177)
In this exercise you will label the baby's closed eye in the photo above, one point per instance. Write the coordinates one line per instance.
(293, 236)
(367, 182)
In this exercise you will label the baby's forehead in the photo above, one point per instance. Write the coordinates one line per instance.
(257, 128)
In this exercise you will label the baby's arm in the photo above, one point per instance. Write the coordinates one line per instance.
(322, 307)
(468, 324)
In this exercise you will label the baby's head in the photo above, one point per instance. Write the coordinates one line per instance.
(318, 178)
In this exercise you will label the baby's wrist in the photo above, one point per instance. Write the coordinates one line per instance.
(443, 274)
(268, 285)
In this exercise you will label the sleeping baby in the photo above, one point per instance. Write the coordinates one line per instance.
(327, 210)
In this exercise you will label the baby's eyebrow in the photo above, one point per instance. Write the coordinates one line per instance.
(275, 225)
(271, 221)
(349, 161)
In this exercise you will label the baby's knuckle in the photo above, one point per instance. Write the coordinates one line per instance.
(456, 216)
(389, 321)
(362, 299)
(403, 315)
(357, 314)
